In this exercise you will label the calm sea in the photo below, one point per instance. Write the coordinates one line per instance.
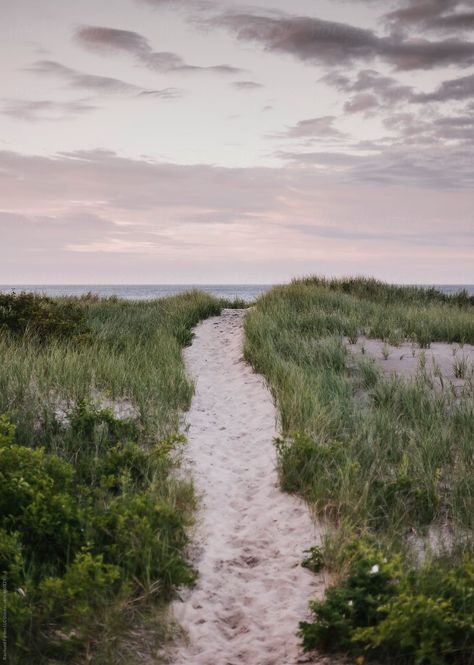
(247, 292)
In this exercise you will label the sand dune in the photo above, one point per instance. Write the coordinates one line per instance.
(252, 590)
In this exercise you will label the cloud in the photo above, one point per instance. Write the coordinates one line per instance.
(453, 89)
(110, 40)
(375, 91)
(417, 156)
(438, 15)
(247, 85)
(32, 110)
(372, 89)
(362, 103)
(179, 4)
(97, 84)
(76, 217)
(331, 43)
(321, 127)
(433, 131)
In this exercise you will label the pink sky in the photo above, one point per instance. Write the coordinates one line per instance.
(167, 141)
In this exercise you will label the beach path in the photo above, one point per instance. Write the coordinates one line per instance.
(249, 538)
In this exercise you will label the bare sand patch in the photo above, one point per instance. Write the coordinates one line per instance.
(448, 364)
(252, 591)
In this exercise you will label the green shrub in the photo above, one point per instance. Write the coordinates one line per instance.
(387, 610)
(314, 559)
(68, 607)
(89, 422)
(145, 538)
(37, 502)
(75, 538)
(7, 430)
(41, 317)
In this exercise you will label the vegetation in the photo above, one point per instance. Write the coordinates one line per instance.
(422, 615)
(376, 457)
(93, 519)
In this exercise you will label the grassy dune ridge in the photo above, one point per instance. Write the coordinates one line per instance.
(383, 461)
(93, 518)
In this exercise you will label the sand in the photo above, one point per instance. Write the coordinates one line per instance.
(405, 360)
(249, 541)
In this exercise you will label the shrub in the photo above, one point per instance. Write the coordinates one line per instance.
(41, 317)
(73, 539)
(384, 609)
(68, 607)
(314, 559)
(37, 502)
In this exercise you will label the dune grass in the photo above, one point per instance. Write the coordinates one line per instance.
(381, 460)
(93, 517)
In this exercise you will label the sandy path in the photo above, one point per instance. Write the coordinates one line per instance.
(252, 590)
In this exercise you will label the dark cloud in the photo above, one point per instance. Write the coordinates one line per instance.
(372, 89)
(247, 85)
(330, 43)
(375, 91)
(439, 15)
(34, 110)
(110, 40)
(453, 89)
(97, 84)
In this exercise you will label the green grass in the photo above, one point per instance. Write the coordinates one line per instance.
(94, 520)
(375, 457)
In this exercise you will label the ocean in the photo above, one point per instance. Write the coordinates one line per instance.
(247, 292)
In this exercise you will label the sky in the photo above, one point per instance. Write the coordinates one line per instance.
(205, 141)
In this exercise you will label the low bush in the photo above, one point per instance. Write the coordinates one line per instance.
(386, 610)
(72, 541)
(41, 317)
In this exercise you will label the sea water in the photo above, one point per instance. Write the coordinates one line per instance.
(247, 292)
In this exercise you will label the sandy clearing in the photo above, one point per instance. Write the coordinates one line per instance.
(252, 590)
(439, 360)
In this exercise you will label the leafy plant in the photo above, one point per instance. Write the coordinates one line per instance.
(382, 608)
(314, 559)
(41, 317)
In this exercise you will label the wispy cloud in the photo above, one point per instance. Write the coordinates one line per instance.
(110, 40)
(247, 85)
(32, 110)
(313, 128)
(104, 85)
(179, 4)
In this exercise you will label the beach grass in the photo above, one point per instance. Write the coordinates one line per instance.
(94, 518)
(381, 460)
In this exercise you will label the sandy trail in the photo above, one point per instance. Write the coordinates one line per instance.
(252, 590)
